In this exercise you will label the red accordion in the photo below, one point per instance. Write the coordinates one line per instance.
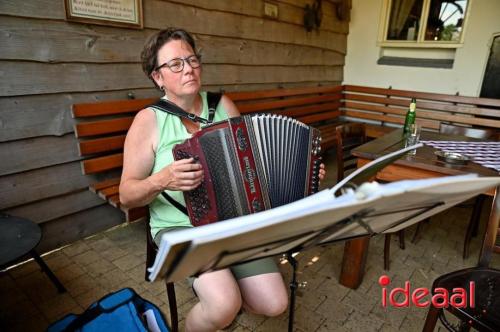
(251, 163)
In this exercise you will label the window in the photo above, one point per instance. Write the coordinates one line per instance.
(423, 23)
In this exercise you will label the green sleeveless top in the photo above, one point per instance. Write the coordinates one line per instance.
(171, 131)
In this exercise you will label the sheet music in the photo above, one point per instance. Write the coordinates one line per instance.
(382, 207)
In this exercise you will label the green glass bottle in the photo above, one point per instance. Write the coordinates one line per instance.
(410, 116)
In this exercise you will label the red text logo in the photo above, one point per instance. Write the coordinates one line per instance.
(422, 297)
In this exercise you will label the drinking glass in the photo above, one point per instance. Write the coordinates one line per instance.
(413, 136)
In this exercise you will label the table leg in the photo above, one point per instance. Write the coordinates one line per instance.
(354, 261)
(46, 269)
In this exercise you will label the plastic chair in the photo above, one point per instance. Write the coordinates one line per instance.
(485, 316)
(151, 250)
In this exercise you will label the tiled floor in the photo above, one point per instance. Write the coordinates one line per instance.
(115, 259)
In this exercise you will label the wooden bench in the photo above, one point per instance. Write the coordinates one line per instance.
(101, 128)
(385, 109)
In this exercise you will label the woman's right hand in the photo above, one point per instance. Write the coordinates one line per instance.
(181, 175)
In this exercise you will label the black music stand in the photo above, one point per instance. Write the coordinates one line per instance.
(318, 219)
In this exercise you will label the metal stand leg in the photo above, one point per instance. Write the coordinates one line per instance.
(48, 272)
(293, 288)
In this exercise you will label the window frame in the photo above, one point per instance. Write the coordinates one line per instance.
(420, 42)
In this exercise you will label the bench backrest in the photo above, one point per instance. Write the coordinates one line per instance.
(101, 127)
(389, 106)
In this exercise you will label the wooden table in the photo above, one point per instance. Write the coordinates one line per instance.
(424, 164)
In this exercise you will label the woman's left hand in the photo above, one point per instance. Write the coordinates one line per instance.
(322, 172)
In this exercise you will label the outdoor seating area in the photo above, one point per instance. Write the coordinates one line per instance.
(114, 259)
(256, 108)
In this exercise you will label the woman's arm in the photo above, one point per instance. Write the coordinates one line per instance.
(137, 186)
(229, 106)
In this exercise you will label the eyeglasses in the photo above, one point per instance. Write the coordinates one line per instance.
(177, 65)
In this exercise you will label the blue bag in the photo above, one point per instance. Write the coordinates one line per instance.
(121, 311)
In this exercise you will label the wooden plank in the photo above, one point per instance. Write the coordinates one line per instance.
(220, 50)
(107, 192)
(57, 78)
(135, 214)
(301, 111)
(58, 206)
(238, 26)
(377, 131)
(452, 108)
(425, 95)
(114, 200)
(32, 186)
(33, 8)
(53, 41)
(319, 117)
(22, 78)
(93, 128)
(95, 187)
(63, 42)
(42, 115)
(111, 107)
(392, 119)
(71, 228)
(273, 93)
(106, 144)
(100, 164)
(422, 114)
(287, 13)
(283, 103)
(24, 155)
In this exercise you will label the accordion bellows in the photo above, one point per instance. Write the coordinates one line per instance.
(251, 163)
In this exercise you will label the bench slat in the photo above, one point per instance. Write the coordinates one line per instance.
(100, 164)
(319, 117)
(136, 213)
(94, 128)
(391, 119)
(423, 114)
(424, 95)
(99, 145)
(445, 107)
(109, 191)
(277, 104)
(250, 95)
(95, 187)
(110, 107)
(114, 200)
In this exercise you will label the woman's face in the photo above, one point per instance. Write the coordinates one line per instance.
(184, 83)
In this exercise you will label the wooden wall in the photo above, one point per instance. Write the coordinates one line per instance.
(46, 64)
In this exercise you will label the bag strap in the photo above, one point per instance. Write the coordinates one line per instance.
(171, 108)
(176, 204)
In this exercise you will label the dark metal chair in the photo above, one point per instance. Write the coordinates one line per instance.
(151, 250)
(485, 315)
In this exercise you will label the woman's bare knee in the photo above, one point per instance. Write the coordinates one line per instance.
(264, 294)
(220, 298)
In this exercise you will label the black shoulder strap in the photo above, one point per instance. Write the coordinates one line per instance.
(171, 108)
(213, 99)
(176, 204)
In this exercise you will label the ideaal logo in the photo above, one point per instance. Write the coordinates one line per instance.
(421, 297)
